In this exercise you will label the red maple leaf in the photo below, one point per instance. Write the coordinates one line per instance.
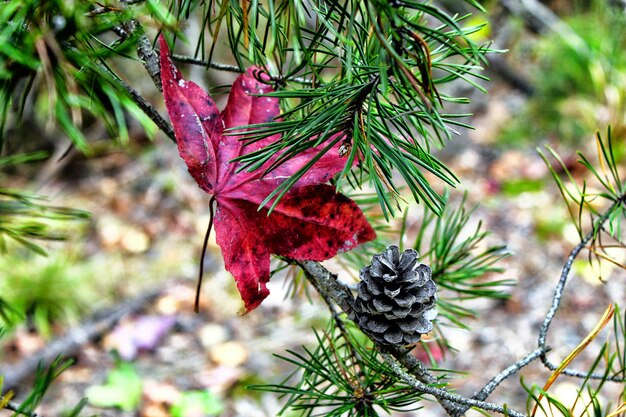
(310, 222)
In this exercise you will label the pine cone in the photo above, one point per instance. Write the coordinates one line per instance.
(396, 298)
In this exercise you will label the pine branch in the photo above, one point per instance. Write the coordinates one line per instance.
(382, 99)
(418, 376)
(207, 64)
(325, 282)
(150, 58)
(147, 108)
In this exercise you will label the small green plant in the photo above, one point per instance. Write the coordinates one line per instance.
(47, 290)
(44, 377)
(195, 403)
(122, 389)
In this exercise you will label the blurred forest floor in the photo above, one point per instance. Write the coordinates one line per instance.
(145, 234)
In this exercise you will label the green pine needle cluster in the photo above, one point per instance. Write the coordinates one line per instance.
(56, 66)
(462, 261)
(343, 375)
(365, 76)
(44, 377)
(26, 219)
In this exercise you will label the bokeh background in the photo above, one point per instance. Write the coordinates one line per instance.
(561, 80)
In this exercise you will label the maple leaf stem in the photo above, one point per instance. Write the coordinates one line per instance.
(196, 306)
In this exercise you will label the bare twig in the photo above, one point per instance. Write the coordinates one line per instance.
(339, 322)
(410, 362)
(581, 374)
(511, 370)
(326, 284)
(145, 51)
(558, 295)
(215, 65)
(442, 394)
(150, 59)
(231, 68)
(497, 380)
(147, 108)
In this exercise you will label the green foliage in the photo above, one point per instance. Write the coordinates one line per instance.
(53, 60)
(344, 376)
(48, 290)
(122, 389)
(43, 379)
(9, 316)
(515, 187)
(580, 79)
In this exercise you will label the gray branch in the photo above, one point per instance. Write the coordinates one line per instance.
(511, 370)
(442, 394)
(151, 63)
(150, 59)
(215, 65)
(147, 108)
(326, 284)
